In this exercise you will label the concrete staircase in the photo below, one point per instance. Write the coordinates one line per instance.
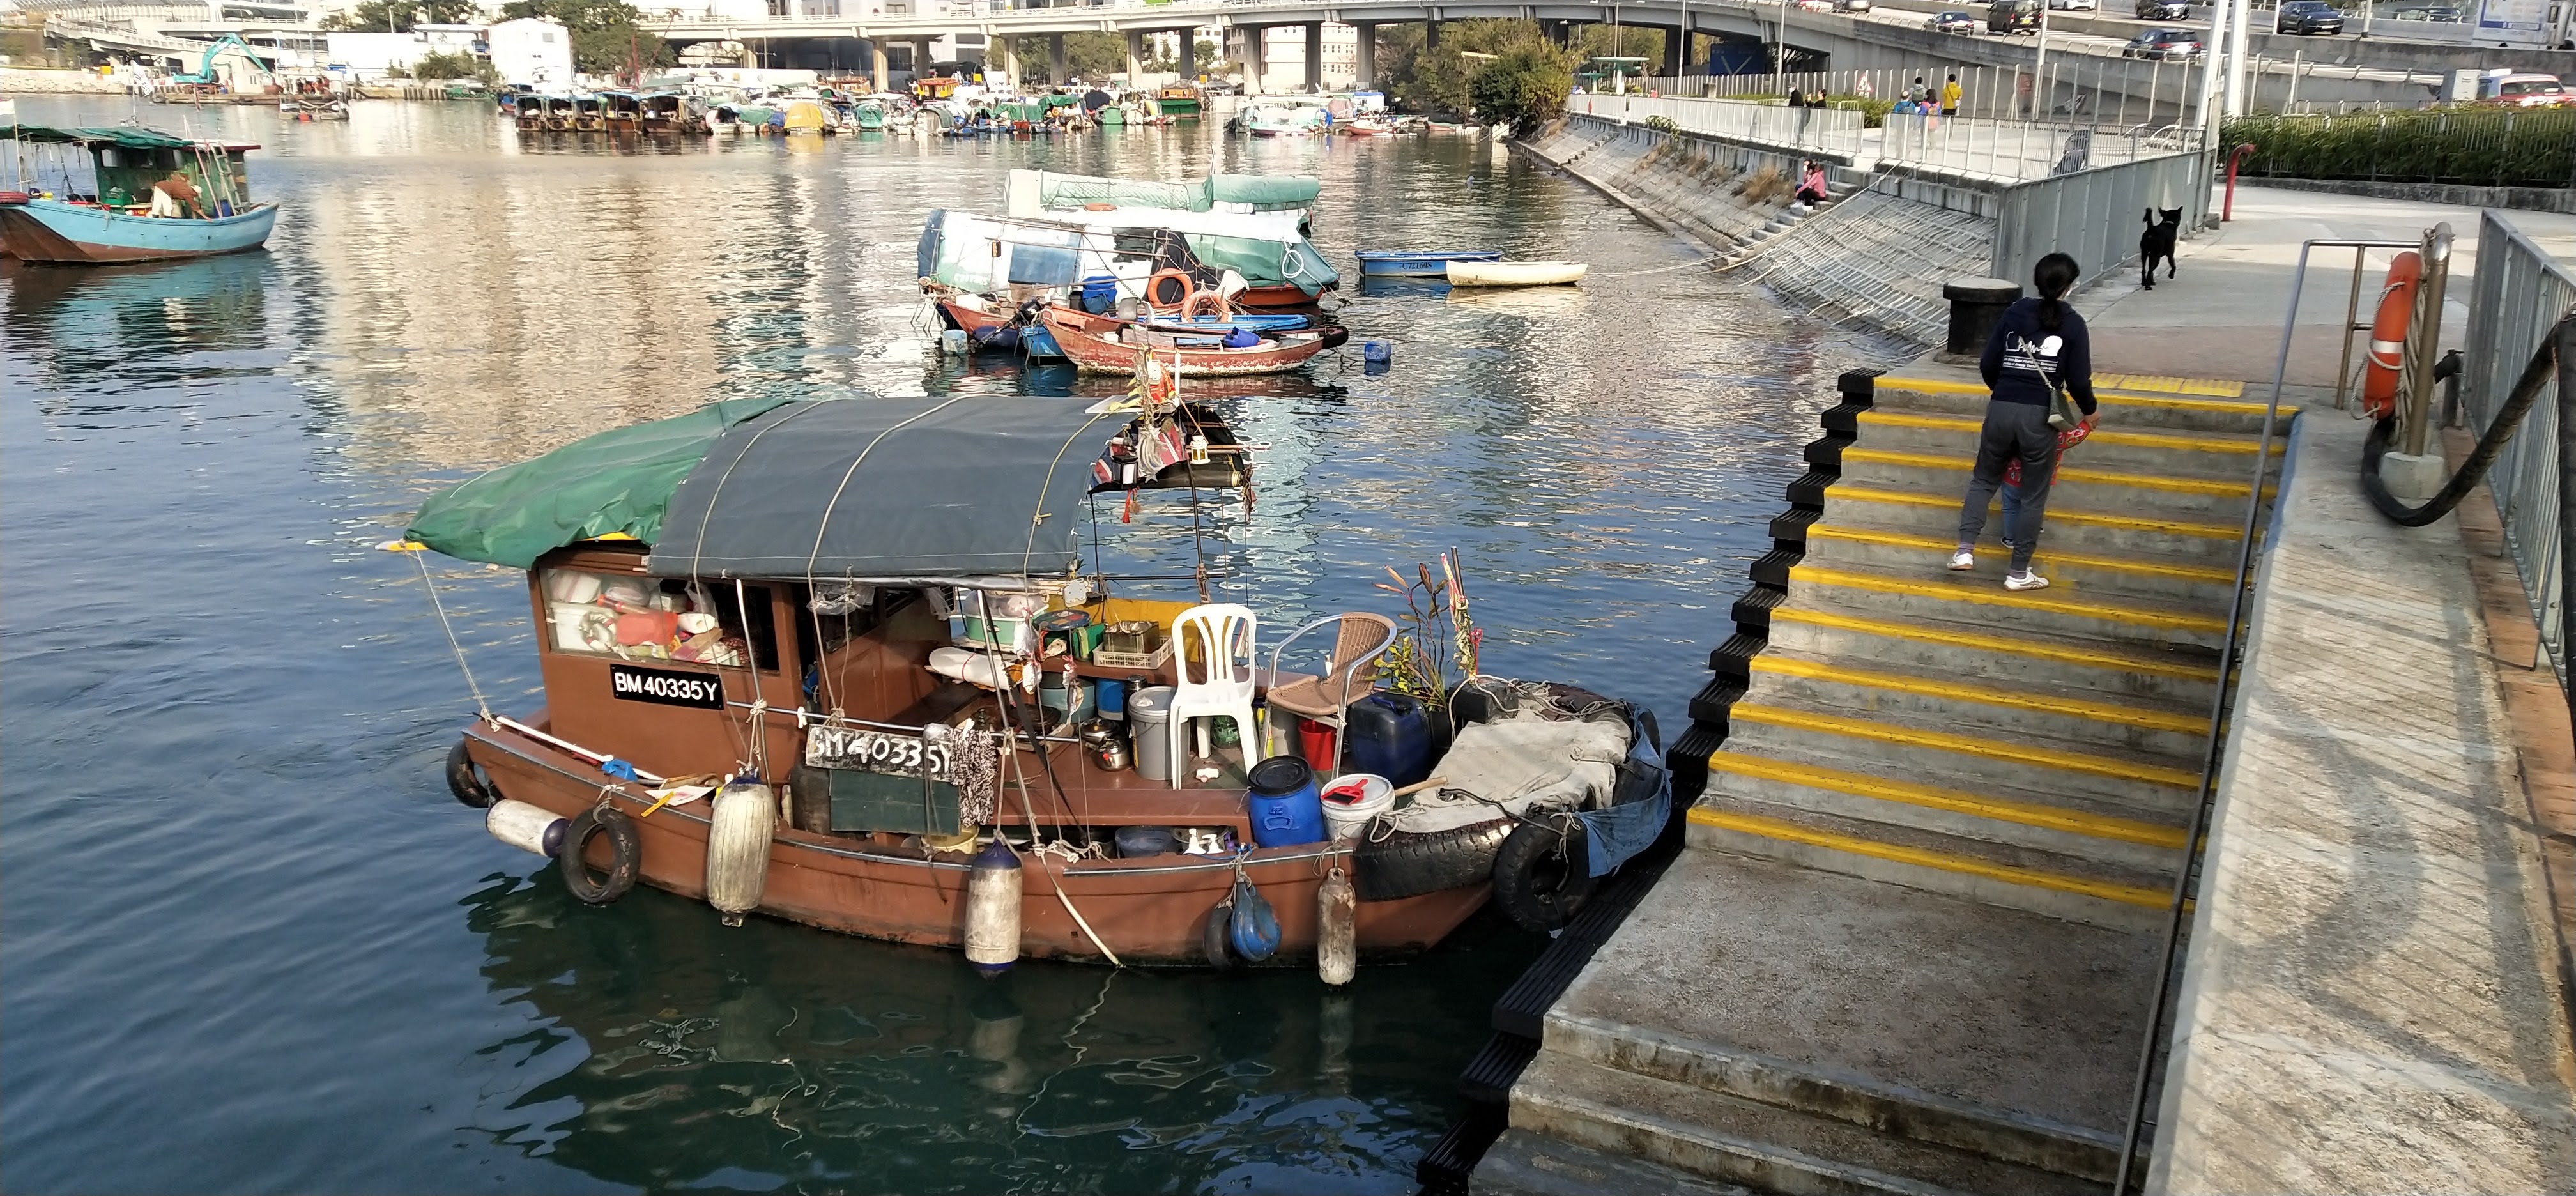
(1912, 944)
(2039, 750)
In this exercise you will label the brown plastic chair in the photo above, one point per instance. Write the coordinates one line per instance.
(1361, 639)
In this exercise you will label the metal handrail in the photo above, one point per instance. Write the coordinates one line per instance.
(2218, 704)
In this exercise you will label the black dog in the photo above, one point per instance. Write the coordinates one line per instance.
(2158, 242)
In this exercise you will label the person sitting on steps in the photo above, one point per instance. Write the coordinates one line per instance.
(2038, 344)
(1811, 185)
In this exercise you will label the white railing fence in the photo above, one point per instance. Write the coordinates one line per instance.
(1811, 130)
(2521, 292)
(2012, 149)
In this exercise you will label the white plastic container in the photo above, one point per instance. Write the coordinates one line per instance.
(1344, 819)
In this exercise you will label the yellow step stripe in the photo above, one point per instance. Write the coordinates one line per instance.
(1861, 728)
(2131, 716)
(1845, 491)
(2016, 645)
(2157, 387)
(1942, 546)
(1790, 832)
(2177, 442)
(2065, 473)
(1985, 596)
(2055, 818)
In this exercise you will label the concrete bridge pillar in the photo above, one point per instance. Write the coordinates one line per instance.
(1056, 72)
(1010, 56)
(1431, 35)
(1314, 56)
(877, 59)
(1368, 56)
(1557, 33)
(1189, 54)
(1135, 56)
(1676, 52)
(921, 57)
(1255, 59)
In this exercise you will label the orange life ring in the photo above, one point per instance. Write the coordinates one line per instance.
(1207, 303)
(1169, 288)
(2388, 335)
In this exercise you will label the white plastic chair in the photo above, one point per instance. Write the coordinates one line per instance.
(1225, 635)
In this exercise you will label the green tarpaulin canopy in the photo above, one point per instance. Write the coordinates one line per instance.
(1266, 193)
(615, 483)
(127, 137)
(1260, 192)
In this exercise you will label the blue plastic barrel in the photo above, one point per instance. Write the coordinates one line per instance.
(1099, 293)
(1390, 735)
(1377, 352)
(1286, 810)
(1112, 697)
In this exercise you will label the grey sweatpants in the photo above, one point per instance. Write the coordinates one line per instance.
(2013, 431)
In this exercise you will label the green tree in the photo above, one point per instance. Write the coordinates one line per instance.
(456, 66)
(604, 33)
(398, 16)
(1525, 85)
(1447, 80)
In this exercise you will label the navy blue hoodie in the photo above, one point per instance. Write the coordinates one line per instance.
(2020, 348)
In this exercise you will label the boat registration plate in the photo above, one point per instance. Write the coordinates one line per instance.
(877, 751)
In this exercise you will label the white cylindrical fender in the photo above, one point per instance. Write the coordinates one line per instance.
(993, 908)
(739, 828)
(526, 827)
(1337, 929)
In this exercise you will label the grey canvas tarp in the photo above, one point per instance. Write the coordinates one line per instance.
(916, 489)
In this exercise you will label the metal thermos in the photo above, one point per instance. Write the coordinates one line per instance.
(1107, 745)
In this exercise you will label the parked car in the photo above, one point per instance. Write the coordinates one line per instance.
(2164, 45)
(1953, 21)
(2013, 16)
(1816, 5)
(2308, 18)
(1851, 5)
(2440, 14)
(2525, 91)
(2164, 10)
(2073, 5)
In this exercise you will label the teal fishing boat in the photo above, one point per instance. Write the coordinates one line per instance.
(103, 206)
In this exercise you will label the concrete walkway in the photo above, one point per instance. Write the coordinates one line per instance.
(2220, 317)
(2372, 1002)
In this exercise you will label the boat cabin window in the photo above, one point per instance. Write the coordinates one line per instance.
(632, 617)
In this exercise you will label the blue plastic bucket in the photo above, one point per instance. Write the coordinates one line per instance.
(1112, 697)
(1285, 807)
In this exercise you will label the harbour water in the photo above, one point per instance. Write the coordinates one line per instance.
(248, 943)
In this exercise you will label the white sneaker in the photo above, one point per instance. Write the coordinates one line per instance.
(1963, 560)
(2025, 581)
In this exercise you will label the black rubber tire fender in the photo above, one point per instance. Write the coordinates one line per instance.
(625, 855)
(465, 781)
(1215, 933)
(1409, 865)
(1543, 874)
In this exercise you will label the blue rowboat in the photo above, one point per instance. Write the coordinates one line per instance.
(1038, 345)
(1257, 323)
(96, 212)
(1387, 263)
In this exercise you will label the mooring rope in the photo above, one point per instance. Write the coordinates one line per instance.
(482, 707)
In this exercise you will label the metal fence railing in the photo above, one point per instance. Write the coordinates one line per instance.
(2011, 149)
(2479, 148)
(1812, 130)
(2521, 291)
(2094, 215)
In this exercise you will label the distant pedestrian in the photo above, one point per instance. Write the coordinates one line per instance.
(1917, 93)
(1797, 98)
(1950, 96)
(1811, 184)
(2038, 346)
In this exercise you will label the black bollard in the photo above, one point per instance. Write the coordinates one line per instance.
(1975, 306)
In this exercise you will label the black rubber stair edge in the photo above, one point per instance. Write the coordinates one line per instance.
(1809, 490)
(1688, 761)
(1490, 1075)
(1826, 452)
(1843, 418)
(1772, 568)
(1858, 386)
(1789, 528)
(1752, 612)
(1522, 1009)
(1734, 658)
(1710, 706)
(1445, 1167)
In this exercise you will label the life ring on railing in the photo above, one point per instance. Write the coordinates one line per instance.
(1207, 303)
(2388, 335)
(1169, 289)
(625, 855)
